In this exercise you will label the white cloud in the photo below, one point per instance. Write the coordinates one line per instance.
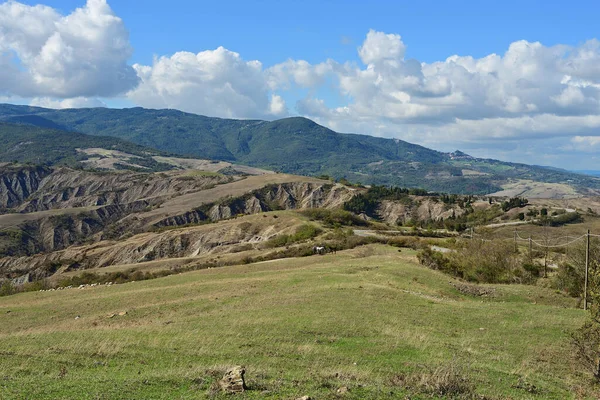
(213, 82)
(379, 48)
(277, 105)
(530, 92)
(43, 53)
(76, 102)
(301, 73)
(584, 144)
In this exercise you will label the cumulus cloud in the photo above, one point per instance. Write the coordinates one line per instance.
(530, 92)
(380, 48)
(582, 144)
(44, 53)
(297, 72)
(213, 82)
(75, 102)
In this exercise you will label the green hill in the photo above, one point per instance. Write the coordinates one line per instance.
(368, 319)
(296, 145)
(32, 144)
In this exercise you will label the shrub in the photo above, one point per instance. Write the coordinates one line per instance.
(406, 242)
(515, 202)
(303, 232)
(569, 279)
(334, 218)
(306, 231)
(7, 288)
(481, 261)
(586, 341)
(566, 218)
(435, 260)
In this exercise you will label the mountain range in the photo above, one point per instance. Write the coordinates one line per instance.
(293, 145)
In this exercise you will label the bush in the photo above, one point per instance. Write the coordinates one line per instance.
(481, 261)
(515, 202)
(278, 241)
(7, 288)
(586, 341)
(436, 260)
(569, 279)
(334, 218)
(303, 232)
(306, 231)
(406, 242)
(566, 218)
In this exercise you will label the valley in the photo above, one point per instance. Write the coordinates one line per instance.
(105, 245)
(299, 201)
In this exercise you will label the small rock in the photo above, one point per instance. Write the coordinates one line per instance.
(122, 313)
(304, 398)
(77, 317)
(112, 315)
(233, 380)
(343, 390)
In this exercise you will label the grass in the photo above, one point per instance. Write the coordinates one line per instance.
(300, 327)
(536, 231)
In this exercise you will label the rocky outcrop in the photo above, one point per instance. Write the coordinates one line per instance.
(31, 189)
(417, 209)
(188, 242)
(17, 183)
(82, 219)
(286, 196)
(57, 232)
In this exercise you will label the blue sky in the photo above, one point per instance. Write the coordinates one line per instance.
(272, 31)
(524, 87)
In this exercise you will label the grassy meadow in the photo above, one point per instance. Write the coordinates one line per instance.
(370, 319)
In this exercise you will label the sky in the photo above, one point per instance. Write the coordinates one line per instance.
(513, 80)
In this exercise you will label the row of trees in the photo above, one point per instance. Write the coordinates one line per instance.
(515, 202)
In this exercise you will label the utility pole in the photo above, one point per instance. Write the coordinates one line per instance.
(515, 235)
(530, 252)
(587, 268)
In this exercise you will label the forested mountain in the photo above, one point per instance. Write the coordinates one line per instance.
(295, 145)
(43, 146)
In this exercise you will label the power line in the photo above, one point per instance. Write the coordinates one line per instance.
(557, 245)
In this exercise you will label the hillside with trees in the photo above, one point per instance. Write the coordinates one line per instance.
(296, 145)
